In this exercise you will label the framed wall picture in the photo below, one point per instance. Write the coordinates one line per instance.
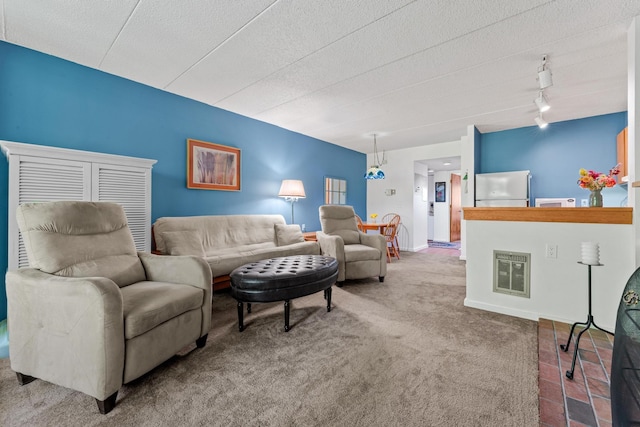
(212, 166)
(441, 191)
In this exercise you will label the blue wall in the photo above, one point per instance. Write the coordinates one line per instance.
(554, 155)
(49, 101)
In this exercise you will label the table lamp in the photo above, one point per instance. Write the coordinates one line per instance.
(292, 190)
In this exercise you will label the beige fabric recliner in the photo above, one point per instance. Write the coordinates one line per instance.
(359, 255)
(91, 313)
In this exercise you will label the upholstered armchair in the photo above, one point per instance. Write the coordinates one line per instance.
(91, 313)
(359, 255)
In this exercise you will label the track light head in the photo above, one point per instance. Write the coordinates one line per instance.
(544, 78)
(544, 74)
(541, 122)
(541, 103)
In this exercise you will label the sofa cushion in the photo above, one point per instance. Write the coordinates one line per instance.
(225, 262)
(288, 234)
(148, 304)
(360, 253)
(95, 237)
(338, 220)
(185, 242)
(220, 232)
(350, 237)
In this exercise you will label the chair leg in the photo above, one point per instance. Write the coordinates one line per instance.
(105, 406)
(200, 342)
(24, 379)
(381, 278)
(339, 284)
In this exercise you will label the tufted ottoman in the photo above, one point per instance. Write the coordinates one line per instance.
(282, 279)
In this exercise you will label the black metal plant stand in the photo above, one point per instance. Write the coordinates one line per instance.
(586, 324)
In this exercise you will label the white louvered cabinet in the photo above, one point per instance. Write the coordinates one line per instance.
(39, 174)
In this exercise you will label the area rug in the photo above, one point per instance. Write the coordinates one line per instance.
(444, 245)
(405, 352)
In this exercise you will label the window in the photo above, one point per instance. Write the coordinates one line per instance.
(335, 191)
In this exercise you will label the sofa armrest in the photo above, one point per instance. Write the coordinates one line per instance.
(183, 269)
(333, 246)
(80, 323)
(377, 241)
(179, 269)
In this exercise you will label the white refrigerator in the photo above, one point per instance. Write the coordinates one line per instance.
(503, 188)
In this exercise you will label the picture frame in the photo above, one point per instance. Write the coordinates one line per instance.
(212, 166)
(441, 191)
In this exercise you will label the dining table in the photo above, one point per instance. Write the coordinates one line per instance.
(380, 226)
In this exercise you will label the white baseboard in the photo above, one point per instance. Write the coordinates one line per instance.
(419, 248)
(526, 314)
(501, 309)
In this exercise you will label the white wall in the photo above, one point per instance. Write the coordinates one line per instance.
(399, 172)
(633, 117)
(558, 286)
(431, 196)
(421, 216)
(467, 167)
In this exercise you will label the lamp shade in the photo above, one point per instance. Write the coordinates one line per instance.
(374, 172)
(292, 188)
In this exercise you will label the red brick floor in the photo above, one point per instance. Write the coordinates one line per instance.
(583, 400)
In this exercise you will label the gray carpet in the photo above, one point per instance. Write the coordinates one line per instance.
(405, 352)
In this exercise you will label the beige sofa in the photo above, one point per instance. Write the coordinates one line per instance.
(229, 241)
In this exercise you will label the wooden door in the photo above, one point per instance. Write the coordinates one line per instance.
(455, 208)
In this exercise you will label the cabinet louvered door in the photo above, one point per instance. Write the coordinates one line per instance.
(39, 173)
(131, 188)
(42, 180)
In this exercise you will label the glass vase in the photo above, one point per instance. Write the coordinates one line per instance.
(595, 199)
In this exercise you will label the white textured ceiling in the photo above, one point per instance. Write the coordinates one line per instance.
(414, 72)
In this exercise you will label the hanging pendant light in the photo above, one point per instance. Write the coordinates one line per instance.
(374, 172)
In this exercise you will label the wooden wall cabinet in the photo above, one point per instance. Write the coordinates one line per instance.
(39, 173)
(623, 155)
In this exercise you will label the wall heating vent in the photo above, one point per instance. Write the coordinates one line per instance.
(511, 273)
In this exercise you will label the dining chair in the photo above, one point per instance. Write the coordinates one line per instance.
(388, 216)
(390, 234)
(359, 221)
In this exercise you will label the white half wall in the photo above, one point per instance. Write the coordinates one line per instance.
(559, 286)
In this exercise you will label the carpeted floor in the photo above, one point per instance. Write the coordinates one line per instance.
(405, 352)
(444, 245)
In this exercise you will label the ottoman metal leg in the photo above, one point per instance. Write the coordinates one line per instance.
(240, 317)
(286, 315)
(248, 307)
(327, 296)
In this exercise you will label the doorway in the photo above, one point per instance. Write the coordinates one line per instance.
(455, 209)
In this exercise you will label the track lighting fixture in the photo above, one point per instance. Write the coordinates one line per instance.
(541, 122)
(541, 102)
(544, 74)
(544, 79)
